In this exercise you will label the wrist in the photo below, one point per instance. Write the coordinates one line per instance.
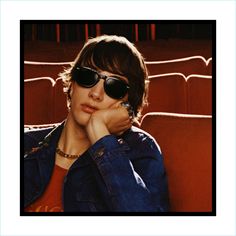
(96, 129)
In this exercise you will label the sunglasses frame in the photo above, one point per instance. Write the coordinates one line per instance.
(101, 76)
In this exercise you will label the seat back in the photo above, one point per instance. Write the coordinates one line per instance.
(60, 102)
(167, 93)
(199, 94)
(209, 66)
(38, 100)
(186, 144)
(186, 66)
(42, 69)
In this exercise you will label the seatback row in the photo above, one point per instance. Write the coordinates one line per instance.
(173, 92)
(45, 102)
(185, 66)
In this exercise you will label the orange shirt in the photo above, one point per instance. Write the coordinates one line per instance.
(51, 200)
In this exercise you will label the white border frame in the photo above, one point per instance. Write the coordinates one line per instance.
(12, 12)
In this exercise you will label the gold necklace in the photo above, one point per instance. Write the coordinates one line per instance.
(69, 156)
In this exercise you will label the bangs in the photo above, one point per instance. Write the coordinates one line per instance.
(108, 57)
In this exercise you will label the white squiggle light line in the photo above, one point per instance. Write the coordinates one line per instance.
(180, 74)
(47, 63)
(179, 60)
(207, 61)
(41, 78)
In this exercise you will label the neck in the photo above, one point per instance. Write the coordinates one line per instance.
(74, 139)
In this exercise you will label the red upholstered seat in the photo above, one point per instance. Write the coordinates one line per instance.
(209, 66)
(170, 92)
(38, 100)
(199, 94)
(186, 144)
(186, 66)
(60, 105)
(43, 69)
(167, 93)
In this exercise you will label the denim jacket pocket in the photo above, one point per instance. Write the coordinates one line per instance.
(86, 202)
(89, 201)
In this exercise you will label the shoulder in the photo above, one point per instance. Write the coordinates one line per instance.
(34, 135)
(141, 140)
(37, 133)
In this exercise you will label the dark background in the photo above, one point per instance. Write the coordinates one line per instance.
(70, 31)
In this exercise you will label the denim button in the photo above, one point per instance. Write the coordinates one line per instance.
(99, 152)
(121, 141)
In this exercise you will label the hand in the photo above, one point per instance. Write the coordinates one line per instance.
(113, 120)
(116, 119)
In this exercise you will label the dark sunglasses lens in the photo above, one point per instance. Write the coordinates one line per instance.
(115, 88)
(85, 77)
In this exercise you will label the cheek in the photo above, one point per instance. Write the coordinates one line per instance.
(78, 94)
(76, 112)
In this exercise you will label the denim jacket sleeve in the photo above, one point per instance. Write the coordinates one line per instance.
(133, 176)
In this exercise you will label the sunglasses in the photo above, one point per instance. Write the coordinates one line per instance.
(87, 78)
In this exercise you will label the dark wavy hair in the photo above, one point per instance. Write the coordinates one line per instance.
(117, 55)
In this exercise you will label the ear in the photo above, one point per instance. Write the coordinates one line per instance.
(69, 96)
(71, 88)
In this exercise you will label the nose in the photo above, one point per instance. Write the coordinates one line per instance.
(97, 91)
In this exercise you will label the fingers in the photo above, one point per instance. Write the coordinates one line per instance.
(129, 109)
(125, 105)
(121, 110)
(124, 124)
(116, 104)
(117, 118)
(127, 126)
(122, 129)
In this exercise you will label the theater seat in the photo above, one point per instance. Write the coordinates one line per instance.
(199, 94)
(186, 66)
(41, 69)
(186, 144)
(209, 66)
(167, 93)
(38, 100)
(60, 106)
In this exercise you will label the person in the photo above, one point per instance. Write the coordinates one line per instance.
(97, 160)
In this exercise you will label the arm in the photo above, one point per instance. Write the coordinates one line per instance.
(133, 177)
(137, 186)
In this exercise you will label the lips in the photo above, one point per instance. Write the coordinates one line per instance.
(88, 108)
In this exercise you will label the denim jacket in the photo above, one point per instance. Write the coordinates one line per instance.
(116, 174)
